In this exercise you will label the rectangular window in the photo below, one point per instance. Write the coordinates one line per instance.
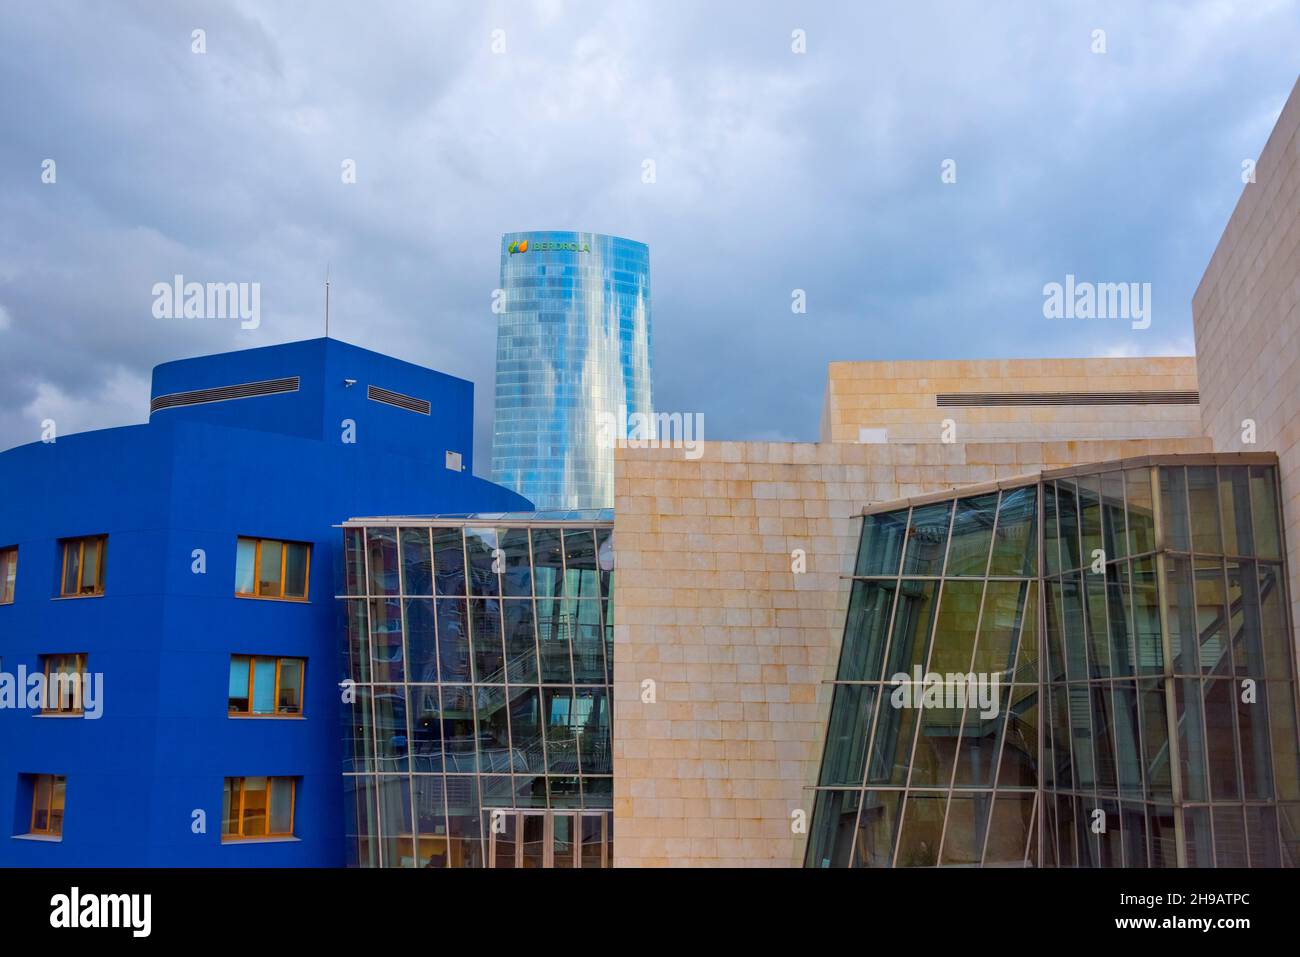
(8, 574)
(47, 804)
(63, 677)
(83, 566)
(257, 808)
(267, 568)
(266, 686)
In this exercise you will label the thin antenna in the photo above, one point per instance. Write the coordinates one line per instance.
(327, 300)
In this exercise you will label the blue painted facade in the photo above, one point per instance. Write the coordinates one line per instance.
(198, 477)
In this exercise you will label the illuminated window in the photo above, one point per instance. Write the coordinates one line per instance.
(8, 574)
(257, 807)
(266, 568)
(83, 566)
(266, 686)
(47, 804)
(64, 675)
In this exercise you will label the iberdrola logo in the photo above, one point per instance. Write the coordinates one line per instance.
(519, 247)
(573, 247)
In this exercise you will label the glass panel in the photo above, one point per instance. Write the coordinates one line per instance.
(980, 738)
(449, 562)
(963, 841)
(927, 538)
(1090, 518)
(1212, 617)
(1203, 499)
(954, 635)
(395, 820)
(417, 562)
(281, 811)
(254, 820)
(554, 632)
(1019, 762)
(918, 844)
(1261, 836)
(1119, 605)
(484, 562)
(580, 576)
(1114, 525)
(8, 574)
(295, 570)
(877, 828)
(517, 565)
(92, 572)
(588, 641)
(592, 840)
(881, 543)
(526, 730)
(360, 729)
(1051, 536)
(1263, 499)
(269, 569)
(1146, 617)
(1128, 744)
(390, 728)
(458, 735)
(71, 567)
(464, 824)
(1180, 609)
(386, 638)
(913, 620)
(1234, 507)
(263, 686)
(521, 642)
(485, 633)
(1282, 728)
(891, 750)
(1196, 830)
(289, 695)
(453, 640)
(846, 738)
(1009, 829)
(426, 728)
(605, 559)
(972, 536)
(835, 814)
(1015, 549)
(533, 839)
(494, 756)
(41, 786)
(357, 666)
(1099, 652)
(1173, 508)
(354, 562)
(428, 795)
(229, 807)
(1141, 512)
(1191, 737)
(1274, 630)
(1067, 507)
(1155, 737)
(238, 693)
(866, 630)
(561, 731)
(245, 567)
(421, 641)
(1133, 819)
(562, 841)
(591, 707)
(548, 562)
(1252, 725)
(1229, 838)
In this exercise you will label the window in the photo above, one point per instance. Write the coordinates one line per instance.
(257, 807)
(8, 574)
(262, 685)
(266, 568)
(47, 804)
(83, 566)
(63, 678)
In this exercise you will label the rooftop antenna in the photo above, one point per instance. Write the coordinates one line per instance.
(327, 300)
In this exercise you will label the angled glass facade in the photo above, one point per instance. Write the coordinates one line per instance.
(480, 655)
(573, 363)
(1153, 593)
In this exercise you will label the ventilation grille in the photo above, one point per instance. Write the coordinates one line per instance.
(978, 399)
(224, 393)
(410, 403)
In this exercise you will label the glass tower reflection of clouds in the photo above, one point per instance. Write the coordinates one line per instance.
(573, 357)
(480, 651)
(1143, 604)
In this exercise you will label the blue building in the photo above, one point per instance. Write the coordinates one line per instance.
(192, 563)
(573, 363)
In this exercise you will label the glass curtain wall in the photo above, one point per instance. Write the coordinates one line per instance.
(479, 666)
(932, 751)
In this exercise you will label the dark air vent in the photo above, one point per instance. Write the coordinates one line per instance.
(410, 403)
(224, 393)
(981, 399)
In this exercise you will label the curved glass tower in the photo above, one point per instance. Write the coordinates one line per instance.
(573, 363)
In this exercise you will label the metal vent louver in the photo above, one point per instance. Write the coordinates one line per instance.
(375, 394)
(225, 393)
(983, 399)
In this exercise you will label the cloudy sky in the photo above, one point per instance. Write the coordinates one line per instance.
(775, 171)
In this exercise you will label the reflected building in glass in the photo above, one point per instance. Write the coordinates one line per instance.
(1133, 619)
(573, 363)
(479, 650)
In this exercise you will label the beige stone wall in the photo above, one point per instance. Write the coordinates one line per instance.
(1247, 317)
(706, 606)
(900, 397)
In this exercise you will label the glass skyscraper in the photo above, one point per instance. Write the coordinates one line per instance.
(573, 363)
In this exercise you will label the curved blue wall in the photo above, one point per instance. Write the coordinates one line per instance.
(198, 477)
